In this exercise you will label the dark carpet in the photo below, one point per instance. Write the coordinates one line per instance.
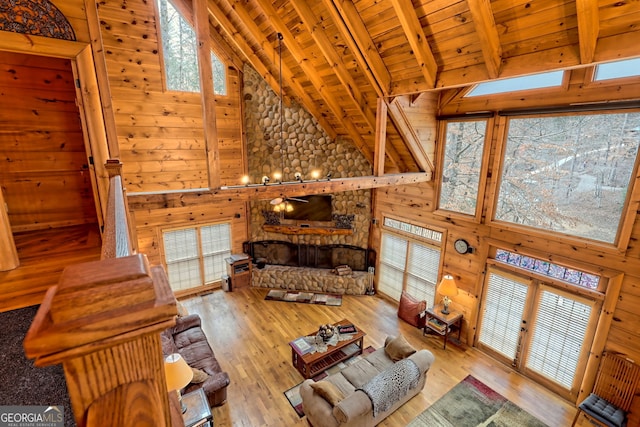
(22, 382)
(472, 403)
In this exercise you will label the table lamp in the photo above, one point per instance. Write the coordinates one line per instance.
(447, 289)
(178, 374)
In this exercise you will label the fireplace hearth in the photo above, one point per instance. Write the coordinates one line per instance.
(277, 252)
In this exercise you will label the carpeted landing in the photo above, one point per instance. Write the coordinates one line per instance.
(22, 382)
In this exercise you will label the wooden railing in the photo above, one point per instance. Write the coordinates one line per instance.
(117, 238)
(102, 322)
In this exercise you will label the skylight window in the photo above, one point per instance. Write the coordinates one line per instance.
(534, 81)
(617, 70)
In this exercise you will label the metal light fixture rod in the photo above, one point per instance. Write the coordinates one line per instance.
(282, 152)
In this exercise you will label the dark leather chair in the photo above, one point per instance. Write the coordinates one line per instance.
(188, 339)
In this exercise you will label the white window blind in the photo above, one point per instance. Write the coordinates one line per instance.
(185, 254)
(408, 265)
(181, 255)
(393, 258)
(502, 314)
(216, 246)
(558, 336)
(422, 269)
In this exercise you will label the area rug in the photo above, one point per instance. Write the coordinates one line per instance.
(293, 394)
(472, 404)
(304, 297)
(22, 382)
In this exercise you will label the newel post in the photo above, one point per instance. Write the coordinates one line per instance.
(102, 322)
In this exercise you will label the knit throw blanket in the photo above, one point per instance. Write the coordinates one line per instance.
(391, 385)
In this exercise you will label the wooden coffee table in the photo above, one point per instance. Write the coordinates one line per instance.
(311, 364)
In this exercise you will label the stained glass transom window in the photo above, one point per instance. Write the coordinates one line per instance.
(546, 268)
(416, 230)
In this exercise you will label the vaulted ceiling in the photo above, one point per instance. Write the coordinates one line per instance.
(339, 57)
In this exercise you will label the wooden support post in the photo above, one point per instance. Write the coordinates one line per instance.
(381, 138)
(102, 322)
(8, 252)
(207, 92)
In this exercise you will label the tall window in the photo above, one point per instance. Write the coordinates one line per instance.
(408, 265)
(195, 256)
(180, 53)
(461, 166)
(393, 260)
(569, 174)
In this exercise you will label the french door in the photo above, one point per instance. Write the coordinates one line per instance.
(542, 331)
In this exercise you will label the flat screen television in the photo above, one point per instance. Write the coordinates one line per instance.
(316, 208)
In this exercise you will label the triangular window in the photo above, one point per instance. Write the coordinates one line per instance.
(180, 53)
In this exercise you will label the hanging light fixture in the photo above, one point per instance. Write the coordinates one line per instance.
(282, 152)
(278, 176)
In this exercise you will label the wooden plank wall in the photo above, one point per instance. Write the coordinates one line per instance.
(160, 133)
(151, 222)
(416, 204)
(44, 170)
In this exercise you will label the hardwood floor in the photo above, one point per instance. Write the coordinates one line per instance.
(250, 338)
(43, 255)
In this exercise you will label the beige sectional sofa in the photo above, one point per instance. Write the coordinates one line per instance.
(340, 399)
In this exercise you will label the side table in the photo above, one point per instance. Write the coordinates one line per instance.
(442, 324)
(198, 411)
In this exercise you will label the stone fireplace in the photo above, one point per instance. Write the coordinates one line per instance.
(277, 252)
(304, 146)
(304, 267)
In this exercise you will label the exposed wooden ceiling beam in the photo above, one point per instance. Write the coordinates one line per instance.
(417, 40)
(588, 28)
(314, 26)
(355, 33)
(409, 135)
(485, 26)
(448, 95)
(242, 46)
(264, 192)
(287, 75)
(299, 55)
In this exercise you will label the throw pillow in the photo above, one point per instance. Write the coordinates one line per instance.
(410, 308)
(328, 391)
(199, 376)
(398, 348)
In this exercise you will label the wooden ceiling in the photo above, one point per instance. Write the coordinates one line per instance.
(340, 56)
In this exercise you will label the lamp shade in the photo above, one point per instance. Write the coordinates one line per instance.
(178, 373)
(448, 286)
